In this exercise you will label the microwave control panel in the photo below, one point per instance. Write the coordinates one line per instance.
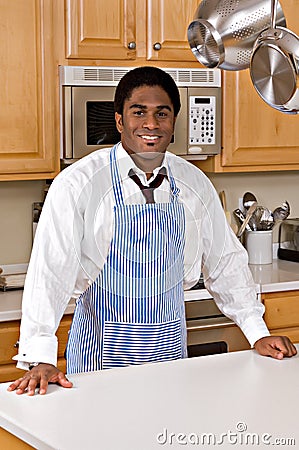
(202, 120)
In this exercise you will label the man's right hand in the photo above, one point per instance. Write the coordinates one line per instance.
(41, 376)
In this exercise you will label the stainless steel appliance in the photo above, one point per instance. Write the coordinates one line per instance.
(87, 111)
(288, 237)
(208, 330)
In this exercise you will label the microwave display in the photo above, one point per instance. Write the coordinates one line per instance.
(100, 124)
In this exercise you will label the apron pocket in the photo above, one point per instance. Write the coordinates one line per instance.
(138, 343)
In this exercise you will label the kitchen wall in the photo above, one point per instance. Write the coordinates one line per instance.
(16, 198)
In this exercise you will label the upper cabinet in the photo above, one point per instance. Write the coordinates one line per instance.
(167, 24)
(130, 30)
(29, 139)
(256, 137)
(101, 29)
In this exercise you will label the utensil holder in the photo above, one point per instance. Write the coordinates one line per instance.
(259, 246)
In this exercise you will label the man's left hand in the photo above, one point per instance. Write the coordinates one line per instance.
(275, 346)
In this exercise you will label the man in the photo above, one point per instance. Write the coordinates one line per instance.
(126, 250)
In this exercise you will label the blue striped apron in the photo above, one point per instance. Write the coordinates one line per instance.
(133, 313)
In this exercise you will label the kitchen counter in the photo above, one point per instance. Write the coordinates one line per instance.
(222, 399)
(278, 276)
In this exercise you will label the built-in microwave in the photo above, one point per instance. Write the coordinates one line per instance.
(87, 111)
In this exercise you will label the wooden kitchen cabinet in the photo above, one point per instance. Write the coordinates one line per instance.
(282, 313)
(130, 30)
(9, 335)
(255, 137)
(29, 137)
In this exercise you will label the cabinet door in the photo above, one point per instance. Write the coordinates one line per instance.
(29, 138)
(255, 136)
(9, 335)
(100, 29)
(282, 313)
(167, 24)
(281, 309)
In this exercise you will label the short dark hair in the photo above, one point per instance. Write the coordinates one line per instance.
(146, 76)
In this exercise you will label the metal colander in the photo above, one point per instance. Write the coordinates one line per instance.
(224, 31)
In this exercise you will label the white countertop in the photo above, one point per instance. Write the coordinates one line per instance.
(278, 276)
(232, 396)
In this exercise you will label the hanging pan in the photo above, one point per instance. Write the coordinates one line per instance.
(274, 67)
(223, 32)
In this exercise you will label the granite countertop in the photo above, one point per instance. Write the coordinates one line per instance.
(227, 398)
(276, 277)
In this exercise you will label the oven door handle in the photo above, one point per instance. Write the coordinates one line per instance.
(210, 326)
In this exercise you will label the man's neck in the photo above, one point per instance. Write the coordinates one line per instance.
(148, 162)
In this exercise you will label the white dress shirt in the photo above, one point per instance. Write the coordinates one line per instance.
(75, 230)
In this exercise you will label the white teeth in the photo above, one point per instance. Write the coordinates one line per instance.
(150, 138)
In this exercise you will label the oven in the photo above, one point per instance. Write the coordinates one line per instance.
(208, 330)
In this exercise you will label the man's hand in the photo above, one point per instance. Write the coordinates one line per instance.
(41, 375)
(275, 346)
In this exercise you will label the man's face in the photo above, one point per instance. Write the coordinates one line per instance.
(147, 122)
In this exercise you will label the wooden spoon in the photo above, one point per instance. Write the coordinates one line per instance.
(250, 211)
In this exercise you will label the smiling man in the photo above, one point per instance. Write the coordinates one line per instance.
(124, 230)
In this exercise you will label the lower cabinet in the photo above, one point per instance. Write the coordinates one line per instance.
(9, 335)
(282, 313)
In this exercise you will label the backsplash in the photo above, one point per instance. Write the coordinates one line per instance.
(17, 197)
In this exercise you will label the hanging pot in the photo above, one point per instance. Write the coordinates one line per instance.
(274, 67)
(224, 31)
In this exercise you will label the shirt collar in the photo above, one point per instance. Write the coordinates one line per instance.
(125, 163)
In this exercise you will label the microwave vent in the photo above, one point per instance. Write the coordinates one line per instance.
(110, 76)
(198, 77)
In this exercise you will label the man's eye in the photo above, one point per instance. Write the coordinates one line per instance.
(162, 114)
(138, 112)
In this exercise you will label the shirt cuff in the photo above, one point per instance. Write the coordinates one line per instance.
(38, 349)
(254, 328)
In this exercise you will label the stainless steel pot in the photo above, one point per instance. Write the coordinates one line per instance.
(274, 67)
(224, 31)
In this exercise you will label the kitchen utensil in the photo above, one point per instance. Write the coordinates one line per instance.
(248, 199)
(247, 218)
(224, 31)
(239, 216)
(224, 206)
(262, 219)
(274, 66)
(281, 212)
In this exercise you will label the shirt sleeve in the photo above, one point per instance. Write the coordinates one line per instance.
(51, 276)
(226, 272)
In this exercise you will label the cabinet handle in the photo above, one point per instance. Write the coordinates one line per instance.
(132, 45)
(157, 46)
(16, 345)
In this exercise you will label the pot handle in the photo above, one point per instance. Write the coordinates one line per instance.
(273, 13)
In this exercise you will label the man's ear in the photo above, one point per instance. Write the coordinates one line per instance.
(119, 122)
(174, 120)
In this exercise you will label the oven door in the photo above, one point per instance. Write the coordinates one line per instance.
(210, 332)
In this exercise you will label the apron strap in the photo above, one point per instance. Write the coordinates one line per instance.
(173, 187)
(116, 180)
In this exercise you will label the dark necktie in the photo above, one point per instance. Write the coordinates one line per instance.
(148, 191)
